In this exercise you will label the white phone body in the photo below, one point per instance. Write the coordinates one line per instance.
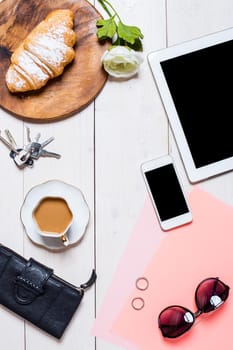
(166, 192)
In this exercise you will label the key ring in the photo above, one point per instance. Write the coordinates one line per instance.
(142, 283)
(137, 303)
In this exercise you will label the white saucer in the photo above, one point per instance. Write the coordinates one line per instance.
(76, 202)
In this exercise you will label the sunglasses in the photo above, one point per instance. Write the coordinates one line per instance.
(175, 320)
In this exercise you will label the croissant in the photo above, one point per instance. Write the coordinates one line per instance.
(43, 54)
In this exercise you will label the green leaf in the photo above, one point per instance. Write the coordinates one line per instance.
(129, 33)
(107, 28)
(137, 46)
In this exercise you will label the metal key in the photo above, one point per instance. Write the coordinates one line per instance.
(46, 142)
(22, 157)
(13, 142)
(21, 163)
(28, 134)
(25, 155)
(8, 145)
(37, 137)
(45, 153)
(35, 150)
(37, 147)
(11, 138)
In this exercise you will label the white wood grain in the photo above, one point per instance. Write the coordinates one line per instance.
(74, 140)
(102, 149)
(130, 128)
(11, 234)
(189, 19)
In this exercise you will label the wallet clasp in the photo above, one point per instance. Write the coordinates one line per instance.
(31, 282)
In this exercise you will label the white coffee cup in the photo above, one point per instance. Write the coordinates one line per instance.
(53, 218)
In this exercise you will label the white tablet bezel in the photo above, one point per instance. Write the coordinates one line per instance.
(155, 58)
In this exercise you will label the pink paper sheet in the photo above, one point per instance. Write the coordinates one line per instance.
(142, 245)
(185, 257)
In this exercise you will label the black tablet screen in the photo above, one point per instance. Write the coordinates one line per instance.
(201, 85)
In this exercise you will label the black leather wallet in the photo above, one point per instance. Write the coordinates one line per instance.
(31, 290)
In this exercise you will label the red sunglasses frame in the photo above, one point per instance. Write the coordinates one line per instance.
(196, 314)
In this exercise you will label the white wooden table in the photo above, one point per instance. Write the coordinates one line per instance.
(102, 149)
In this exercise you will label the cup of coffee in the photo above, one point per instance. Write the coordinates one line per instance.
(53, 218)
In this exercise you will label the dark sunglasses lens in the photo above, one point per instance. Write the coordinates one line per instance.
(175, 320)
(210, 294)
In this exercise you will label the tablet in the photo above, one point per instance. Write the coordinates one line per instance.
(195, 81)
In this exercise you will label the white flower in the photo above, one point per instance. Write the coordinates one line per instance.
(121, 62)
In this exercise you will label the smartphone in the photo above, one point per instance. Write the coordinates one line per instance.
(166, 192)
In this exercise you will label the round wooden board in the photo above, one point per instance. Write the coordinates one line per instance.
(82, 79)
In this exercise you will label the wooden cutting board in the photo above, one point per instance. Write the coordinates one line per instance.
(82, 79)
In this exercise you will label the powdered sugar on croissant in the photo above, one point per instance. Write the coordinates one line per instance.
(43, 54)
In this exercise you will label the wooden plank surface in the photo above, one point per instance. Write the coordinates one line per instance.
(102, 148)
(130, 127)
(11, 189)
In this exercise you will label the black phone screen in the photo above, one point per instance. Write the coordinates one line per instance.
(166, 191)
